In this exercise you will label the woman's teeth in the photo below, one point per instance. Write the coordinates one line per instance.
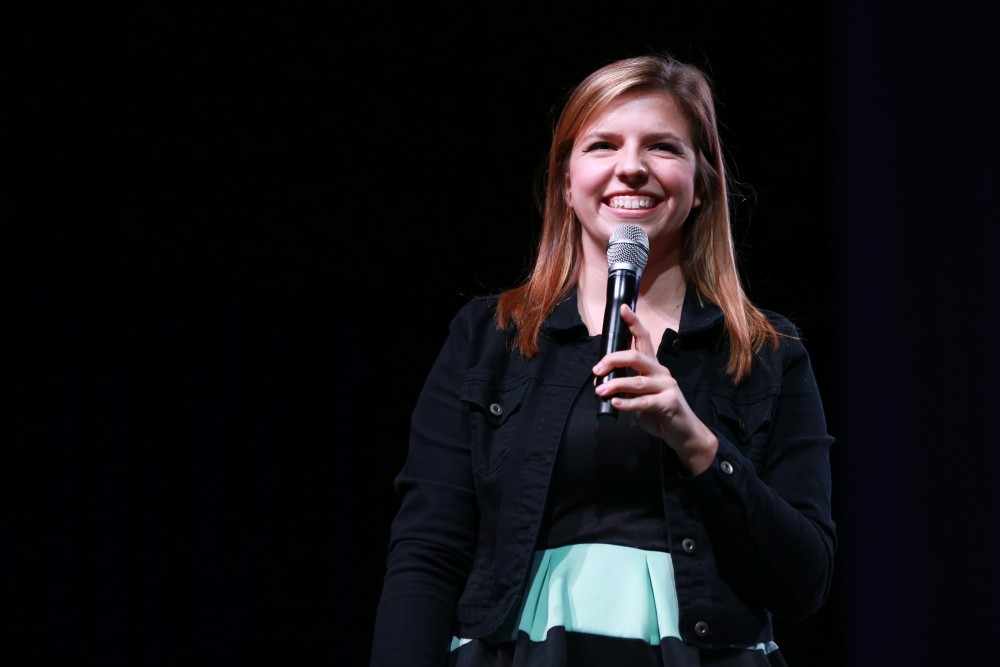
(630, 202)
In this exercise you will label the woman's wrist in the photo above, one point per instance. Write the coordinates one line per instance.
(697, 457)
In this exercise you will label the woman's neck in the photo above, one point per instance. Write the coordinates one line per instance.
(661, 295)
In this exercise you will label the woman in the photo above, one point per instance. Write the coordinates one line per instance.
(532, 534)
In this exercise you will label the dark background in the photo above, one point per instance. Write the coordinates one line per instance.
(232, 236)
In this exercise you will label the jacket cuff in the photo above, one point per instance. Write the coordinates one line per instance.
(717, 484)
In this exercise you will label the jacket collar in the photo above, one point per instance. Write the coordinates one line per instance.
(565, 317)
(697, 315)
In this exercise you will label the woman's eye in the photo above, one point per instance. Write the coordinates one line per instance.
(598, 146)
(670, 148)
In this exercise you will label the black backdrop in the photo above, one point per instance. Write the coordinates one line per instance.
(233, 236)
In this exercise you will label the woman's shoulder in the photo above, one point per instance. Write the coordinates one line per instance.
(476, 320)
(478, 310)
(782, 325)
(790, 345)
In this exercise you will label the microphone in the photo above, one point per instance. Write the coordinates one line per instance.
(628, 251)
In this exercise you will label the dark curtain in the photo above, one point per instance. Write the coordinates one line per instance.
(232, 237)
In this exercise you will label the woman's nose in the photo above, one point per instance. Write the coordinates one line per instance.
(631, 167)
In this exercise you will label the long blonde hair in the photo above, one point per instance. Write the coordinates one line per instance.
(708, 257)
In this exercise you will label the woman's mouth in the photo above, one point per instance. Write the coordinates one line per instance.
(630, 202)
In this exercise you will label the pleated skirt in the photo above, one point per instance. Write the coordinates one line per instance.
(601, 604)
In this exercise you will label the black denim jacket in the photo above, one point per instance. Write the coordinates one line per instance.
(750, 536)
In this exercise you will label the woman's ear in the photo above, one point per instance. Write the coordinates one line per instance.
(699, 193)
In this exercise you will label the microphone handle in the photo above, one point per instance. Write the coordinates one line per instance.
(623, 287)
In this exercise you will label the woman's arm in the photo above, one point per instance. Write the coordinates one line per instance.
(433, 534)
(771, 529)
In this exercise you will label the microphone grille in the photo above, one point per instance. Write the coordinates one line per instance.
(628, 244)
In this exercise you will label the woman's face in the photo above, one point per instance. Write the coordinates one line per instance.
(634, 164)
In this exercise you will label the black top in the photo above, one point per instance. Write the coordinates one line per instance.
(607, 485)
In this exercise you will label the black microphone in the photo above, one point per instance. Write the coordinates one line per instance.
(628, 250)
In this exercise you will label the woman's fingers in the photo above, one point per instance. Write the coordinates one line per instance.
(641, 357)
(640, 334)
(637, 361)
(639, 385)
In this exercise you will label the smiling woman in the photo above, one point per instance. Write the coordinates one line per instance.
(634, 164)
(532, 534)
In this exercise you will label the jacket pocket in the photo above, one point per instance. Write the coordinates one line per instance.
(745, 421)
(492, 420)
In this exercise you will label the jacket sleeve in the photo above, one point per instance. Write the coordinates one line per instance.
(771, 527)
(433, 535)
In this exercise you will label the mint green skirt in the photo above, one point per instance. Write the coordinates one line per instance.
(601, 604)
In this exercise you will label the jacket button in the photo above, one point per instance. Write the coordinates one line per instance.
(701, 628)
(688, 545)
(727, 467)
(496, 409)
(676, 345)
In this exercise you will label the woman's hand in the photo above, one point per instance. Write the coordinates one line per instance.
(655, 398)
